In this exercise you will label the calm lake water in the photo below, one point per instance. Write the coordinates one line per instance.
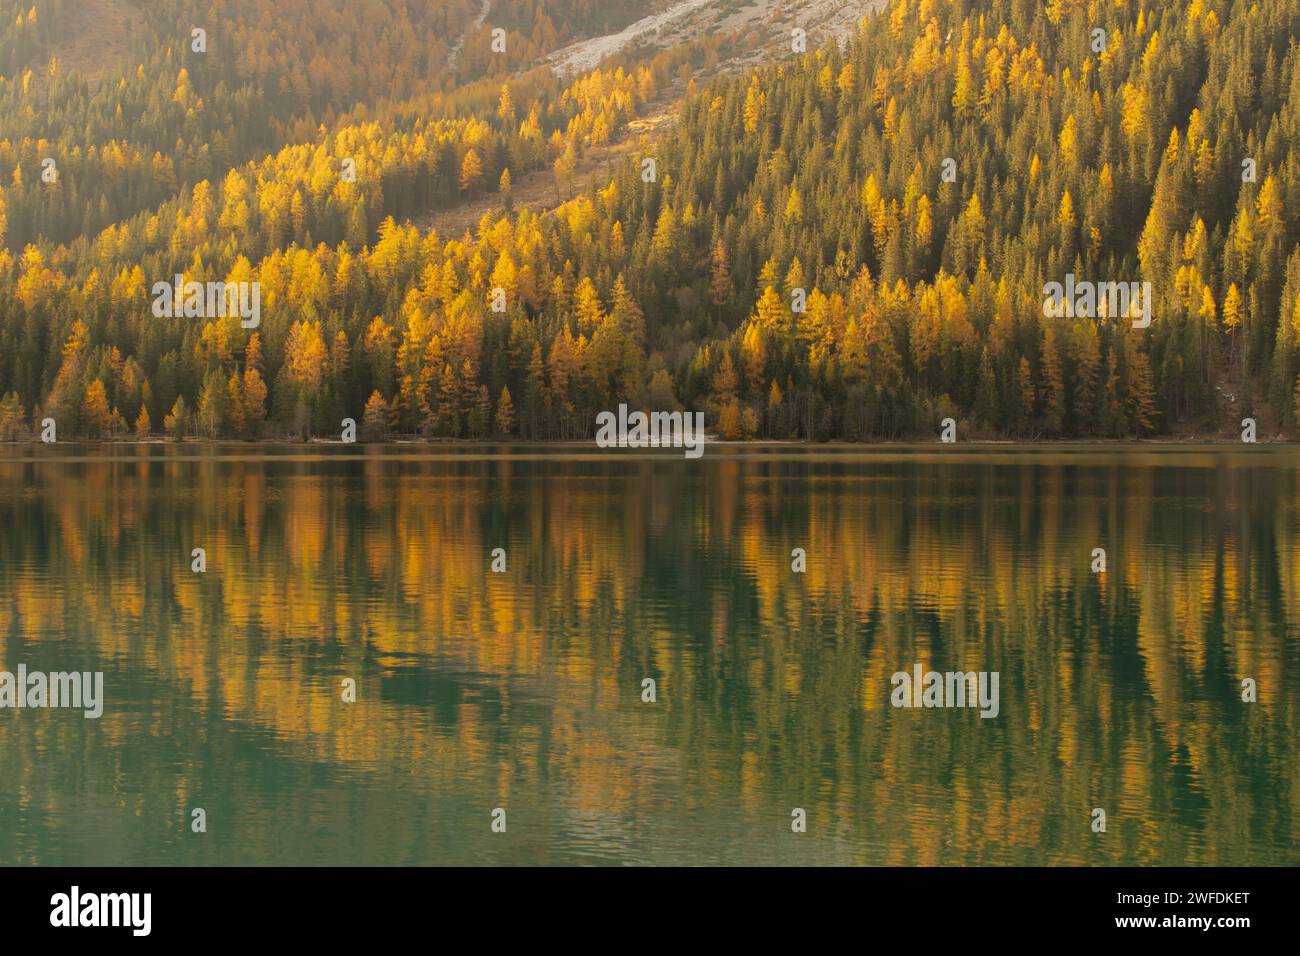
(523, 690)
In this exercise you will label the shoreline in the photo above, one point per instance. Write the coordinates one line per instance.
(594, 448)
(1190, 438)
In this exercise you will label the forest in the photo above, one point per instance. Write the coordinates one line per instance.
(849, 243)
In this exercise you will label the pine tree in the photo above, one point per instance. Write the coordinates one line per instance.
(725, 383)
(1026, 392)
(176, 423)
(374, 420)
(12, 419)
(1141, 404)
(471, 171)
(1053, 385)
(505, 414)
(97, 415)
(720, 275)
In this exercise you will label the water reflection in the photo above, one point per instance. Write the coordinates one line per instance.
(522, 690)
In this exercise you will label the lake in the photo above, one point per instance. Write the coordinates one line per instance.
(524, 689)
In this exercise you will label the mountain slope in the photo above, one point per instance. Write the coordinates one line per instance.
(917, 190)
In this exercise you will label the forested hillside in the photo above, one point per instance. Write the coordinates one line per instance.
(1160, 150)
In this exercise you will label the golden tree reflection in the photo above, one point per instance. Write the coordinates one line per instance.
(1119, 690)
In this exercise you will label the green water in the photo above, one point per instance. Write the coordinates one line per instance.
(522, 690)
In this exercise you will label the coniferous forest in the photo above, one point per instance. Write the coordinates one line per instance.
(847, 243)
